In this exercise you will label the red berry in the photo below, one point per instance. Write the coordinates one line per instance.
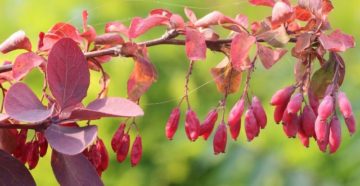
(279, 112)
(236, 113)
(308, 121)
(313, 101)
(123, 148)
(344, 105)
(282, 96)
(220, 139)
(326, 107)
(136, 151)
(287, 117)
(321, 130)
(103, 154)
(43, 148)
(115, 141)
(208, 125)
(259, 112)
(33, 155)
(251, 126)
(192, 125)
(351, 124)
(291, 128)
(295, 103)
(335, 134)
(172, 123)
(303, 138)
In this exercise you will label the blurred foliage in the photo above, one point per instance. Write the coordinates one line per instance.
(271, 159)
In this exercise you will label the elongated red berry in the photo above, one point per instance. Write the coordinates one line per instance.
(292, 128)
(323, 145)
(313, 101)
(94, 156)
(236, 112)
(103, 154)
(208, 125)
(326, 107)
(192, 125)
(259, 112)
(123, 148)
(295, 103)
(335, 134)
(351, 124)
(172, 123)
(33, 155)
(136, 151)
(43, 148)
(287, 117)
(235, 130)
(251, 126)
(321, 130)
(344, 105)
(220, 139)
(282, 96)
(279, 112)
(25, 151)
(115, 141)
(303, 138)
(22, 137)
(308, 121)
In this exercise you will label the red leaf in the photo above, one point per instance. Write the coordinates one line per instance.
(67, 73)
(116, 27)
(24, 63)
(21, 104)
(337, 41)
(195, 45)
(13, 172)
(139, 26)
(302, 14)
(221, 74)
(268, 56)
(161, 12)
(311, 5)
(141, 78)
(239, 52)
(108, 107)
(66, 30)
(281, 13)
(17, 40)
(74, 170)
(70, 140)
(6, 76)
(109, 39)
(213, 18)
(190, 15)
(269, 3)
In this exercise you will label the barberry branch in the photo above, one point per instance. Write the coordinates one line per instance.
(166, 39)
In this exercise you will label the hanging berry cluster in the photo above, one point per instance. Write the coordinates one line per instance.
(65, 56)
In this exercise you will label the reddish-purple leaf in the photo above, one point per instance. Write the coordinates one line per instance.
(269, 56)
(313, 5)
(13, 172)
(195, 45)
(108, 107)
(275, 37)
(221, 74)
(22, 104)
(239, 51)
(281, 13)
(139, 26)
(269, 3)
(59, 31)
(213, 18)
(70, 140)
(24, 63)
(337, 41)
(67, 73)
(17, 40)
(109, 39)
(74, 170)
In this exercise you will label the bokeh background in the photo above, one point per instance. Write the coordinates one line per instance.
(271, 159)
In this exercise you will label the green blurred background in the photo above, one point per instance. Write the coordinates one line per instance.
(271, 159)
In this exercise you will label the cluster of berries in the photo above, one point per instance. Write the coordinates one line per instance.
(30, 151)
(98, 156)
(255, 118)
(318, 120)
(120, 144)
